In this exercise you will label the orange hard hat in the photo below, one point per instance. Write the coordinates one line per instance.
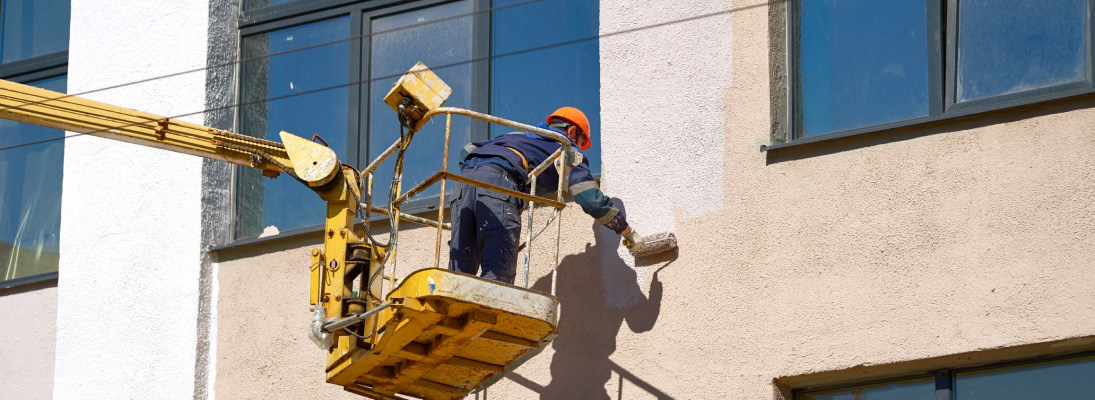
(575, 117)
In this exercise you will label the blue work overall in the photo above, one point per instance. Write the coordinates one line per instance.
(486, 225)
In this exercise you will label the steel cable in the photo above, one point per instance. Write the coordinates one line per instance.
(382, 78)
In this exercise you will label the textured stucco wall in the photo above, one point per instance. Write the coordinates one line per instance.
(28, 328)
(905, 251)
(129, 267)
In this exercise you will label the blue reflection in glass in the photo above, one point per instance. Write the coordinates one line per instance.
(862, 63)
(253, 4)
(30, 194)
(533, 74)
(1008, 46)
(31, 28)
(1052, 380)
(284, 202)
(445, 47)
(912, 389)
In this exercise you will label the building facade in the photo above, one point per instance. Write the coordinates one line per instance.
(875, 199)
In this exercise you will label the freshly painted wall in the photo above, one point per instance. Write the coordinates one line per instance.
(127, 301)
(906, 251)
(28, 328)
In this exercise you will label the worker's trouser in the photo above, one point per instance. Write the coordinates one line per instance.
(486, 225)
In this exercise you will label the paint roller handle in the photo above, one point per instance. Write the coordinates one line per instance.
(632, 240)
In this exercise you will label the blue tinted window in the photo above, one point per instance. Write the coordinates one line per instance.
(30, 195)
(1052, 380)
(533, 73)
(1007, 46)
(912, 389)
(861, 63)
(31, 28)
(288, 80)
(444, 45)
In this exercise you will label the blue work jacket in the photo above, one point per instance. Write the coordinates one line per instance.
(535, 149)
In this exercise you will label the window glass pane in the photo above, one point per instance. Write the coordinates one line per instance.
(861, 63)
(1007, 46)
(533, 75)
(1051, 380)
(307, 92)
(912, 389)
(30, 195)
(31, 28)
(253, 4)
(444, 45)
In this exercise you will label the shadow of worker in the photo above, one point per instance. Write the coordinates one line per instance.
(598, 291)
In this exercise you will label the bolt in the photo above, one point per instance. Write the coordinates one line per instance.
(326, 298)
(330, 233)
(315, 252)
(338, 297)
(342, 232)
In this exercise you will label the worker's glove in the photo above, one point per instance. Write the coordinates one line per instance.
(632, 240)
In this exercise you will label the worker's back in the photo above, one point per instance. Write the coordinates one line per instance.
(533, 149)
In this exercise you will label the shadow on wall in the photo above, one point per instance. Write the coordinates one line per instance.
(598, 292)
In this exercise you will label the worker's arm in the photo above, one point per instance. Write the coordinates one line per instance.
(587, 193)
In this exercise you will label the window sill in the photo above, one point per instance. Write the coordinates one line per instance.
(1076, 93)
(28, 283)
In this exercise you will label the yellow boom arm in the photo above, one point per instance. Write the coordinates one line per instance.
(57, 110)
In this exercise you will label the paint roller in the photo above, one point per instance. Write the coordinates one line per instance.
(651, 245)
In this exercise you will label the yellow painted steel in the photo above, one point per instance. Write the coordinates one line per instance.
(445, 335)
(314, 164)
(75, 114)
(426, 90)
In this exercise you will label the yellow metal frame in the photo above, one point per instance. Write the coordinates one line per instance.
(561, 163)
(442, 333)
(420, 337)
(51, 109)
(445, 334)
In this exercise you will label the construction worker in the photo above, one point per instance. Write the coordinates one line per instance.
(486, 226)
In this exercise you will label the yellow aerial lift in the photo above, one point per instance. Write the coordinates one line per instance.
(437, 334)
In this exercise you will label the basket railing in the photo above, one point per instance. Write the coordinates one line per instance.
(561, 163)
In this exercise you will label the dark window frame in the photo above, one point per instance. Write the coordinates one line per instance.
(287, 15)
(944, 378)
(942, 51)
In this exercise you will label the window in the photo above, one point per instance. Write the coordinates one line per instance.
(304, 92)
(862, 65)
(33, 51)
(30, 28)
(1069, 379)
(324, 71)
(1065, 378)
(918, 388)
(531, 72)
